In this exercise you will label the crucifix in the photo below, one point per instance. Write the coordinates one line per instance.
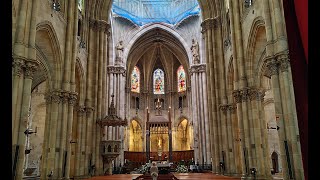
(158, 107)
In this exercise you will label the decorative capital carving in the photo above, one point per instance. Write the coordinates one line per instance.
(253, 94)
(260, 95)
(283, 61)
(237, 96)
(81, 110)
(271, 68)
(93, 24)
(64, 96)
(48, 98)
(216, 22)
(103, 26)
(89, 110)
(117, 70)
(223, 107)
(18, 65)
(73, 98)
(232, 108)
(198, 68)
(30, 68)
(56, 96)
(207, 25)
(244, 94)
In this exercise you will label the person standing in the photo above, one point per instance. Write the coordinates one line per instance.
(154, 171)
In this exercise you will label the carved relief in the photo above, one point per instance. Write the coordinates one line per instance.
(244, 94)
(56, 96)
(283, 61)
(81, 110)
(197, 68)
(232, 108)
(116, 70)
(237, 96)
(271, 68)
(207, 25)
(65, 96)
(73, 98)
(30, 68)
(223, 108)
(18, 65)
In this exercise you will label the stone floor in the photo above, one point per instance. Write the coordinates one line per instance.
(189, 176)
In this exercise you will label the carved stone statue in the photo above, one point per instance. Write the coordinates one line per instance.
(195, 52)
(119, 52)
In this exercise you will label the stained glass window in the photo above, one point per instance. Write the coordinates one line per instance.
(181, 79)
(135, 80)
(158, 81)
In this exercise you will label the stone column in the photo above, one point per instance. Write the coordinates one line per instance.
(230, 132)
(83, 131)
(272, 71)
(241, 138)
(206, 120)
(30, 68)
(224, 144)
(194, 115)
(78, 162)
(17, 87)
(72, 100)
(45, 146)
(292, 131)
(255, 98)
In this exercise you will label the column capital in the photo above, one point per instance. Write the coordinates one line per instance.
(65, 96)
(271, 68)
(197, 68)
(81, 110)
(116, 70)
(18, 65)
(55, 96)
(103, 26)
(207, 24)
(30, 67)
(89, 110)
(232, 107)
(256, 94)
(244, 94)
(223, 108)
(73, 98)
(237, 96)
(283, 61)
(210, 23)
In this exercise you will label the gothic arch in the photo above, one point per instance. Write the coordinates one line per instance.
(47, 45)
(149, 27)
(255, 49)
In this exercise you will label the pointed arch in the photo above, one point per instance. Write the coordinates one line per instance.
(158, 81)
(181, 79)
(135, 80)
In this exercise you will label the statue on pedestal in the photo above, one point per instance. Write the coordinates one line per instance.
(195, 52)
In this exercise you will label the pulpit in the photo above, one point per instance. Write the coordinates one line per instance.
(110, 149)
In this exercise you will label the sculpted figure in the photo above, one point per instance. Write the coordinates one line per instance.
(195, 52)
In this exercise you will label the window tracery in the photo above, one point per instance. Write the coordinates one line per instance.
(158, 81)
(135, 80)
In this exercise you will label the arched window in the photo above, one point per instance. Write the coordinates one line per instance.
(181, 79)
(135, 80)
(158, 81)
